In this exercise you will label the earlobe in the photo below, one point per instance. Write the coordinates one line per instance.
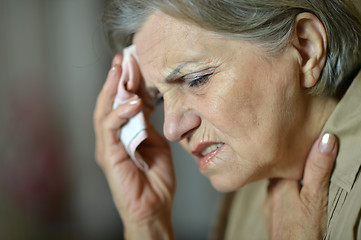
(310, 40)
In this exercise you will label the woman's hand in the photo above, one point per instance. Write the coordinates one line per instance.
(143, 198)
(298, 212)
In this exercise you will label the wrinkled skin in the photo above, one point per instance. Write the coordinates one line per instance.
(144, 198)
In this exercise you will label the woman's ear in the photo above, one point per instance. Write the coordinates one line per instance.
(310, 40)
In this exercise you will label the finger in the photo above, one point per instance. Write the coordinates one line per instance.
(117, 60)
(109, 90)
(319, 165)
(111, 84)
(118, 117)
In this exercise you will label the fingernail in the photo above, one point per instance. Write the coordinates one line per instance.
(327, 143)
(117, 60)
(113, 74)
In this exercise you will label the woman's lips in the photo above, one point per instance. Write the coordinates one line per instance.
(205, 152)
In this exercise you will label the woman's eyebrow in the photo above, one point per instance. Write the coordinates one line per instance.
(175, 74)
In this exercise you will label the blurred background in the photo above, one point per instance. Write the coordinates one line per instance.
(53, 62)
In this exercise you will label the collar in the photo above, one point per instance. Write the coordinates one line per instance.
(345, 123)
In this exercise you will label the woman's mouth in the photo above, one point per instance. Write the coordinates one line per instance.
(211, 148)
(205, 153)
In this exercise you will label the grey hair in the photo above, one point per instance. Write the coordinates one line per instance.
(268, 23)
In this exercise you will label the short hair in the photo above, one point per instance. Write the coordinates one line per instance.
(268, 23)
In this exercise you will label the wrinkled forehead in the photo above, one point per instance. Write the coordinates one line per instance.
(157, 30)
(151, 41)
(164, 42)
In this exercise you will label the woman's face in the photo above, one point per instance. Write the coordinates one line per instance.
(238, 112)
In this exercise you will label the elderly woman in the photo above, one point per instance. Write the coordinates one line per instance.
(248, 88)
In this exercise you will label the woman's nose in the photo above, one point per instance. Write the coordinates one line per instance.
(179, 122)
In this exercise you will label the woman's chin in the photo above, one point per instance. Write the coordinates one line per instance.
(222, 184)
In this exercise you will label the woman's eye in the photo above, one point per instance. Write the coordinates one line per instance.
(198, 79)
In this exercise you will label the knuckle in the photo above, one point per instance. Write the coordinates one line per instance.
(96, 117)
(125, 111)
(320, 180)
(315, 199)
(98, 114)
(323, 164)
(309, 198)
(98, 126)
(108, 124)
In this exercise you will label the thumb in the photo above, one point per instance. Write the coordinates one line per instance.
(319, 165)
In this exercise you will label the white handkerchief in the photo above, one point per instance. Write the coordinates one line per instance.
(134, 132)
